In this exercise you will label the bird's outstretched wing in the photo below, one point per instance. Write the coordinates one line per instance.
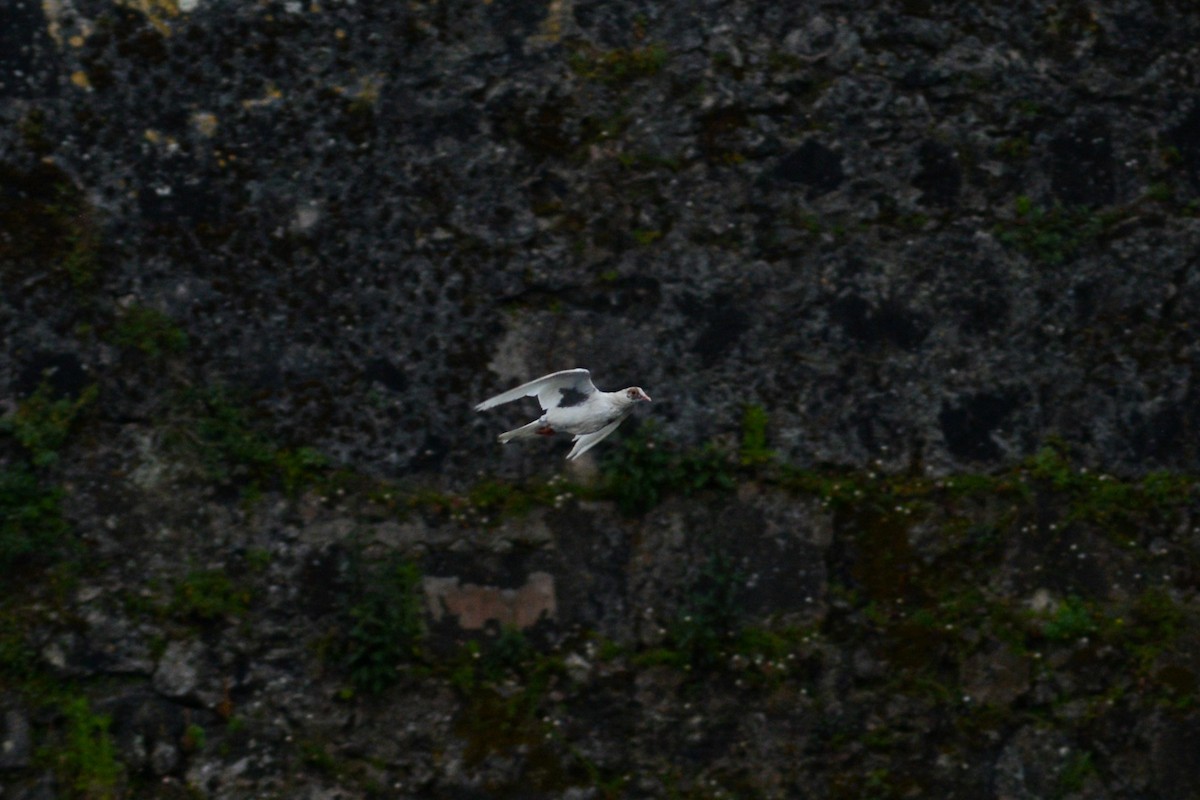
(586, 441)
(566, 388)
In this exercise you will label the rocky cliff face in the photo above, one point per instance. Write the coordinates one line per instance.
(914, 287)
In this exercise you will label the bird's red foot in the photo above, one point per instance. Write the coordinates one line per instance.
(545, 430)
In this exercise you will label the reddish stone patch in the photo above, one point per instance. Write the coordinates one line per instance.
(475, 605)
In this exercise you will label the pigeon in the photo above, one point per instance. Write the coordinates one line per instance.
(571, 404)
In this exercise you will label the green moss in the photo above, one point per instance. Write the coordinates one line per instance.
(347, 771)
(508, 654)
(315, 755)
(490, 501)
(1074, 774)
(87, 762)
(1160, 192)
(18, 659)
(42, 423)
(194, 738)
(616, 68)
(208, 595)
(883, 562)
(505, 686)
(709, 618)
(1071, 620)
(710, 635)
(1146, 631)
(58, 232)
(386, 623)
(645, 468)
(1099, 498)
(1015, 148)
(226, 441)
(486, 504)
(258, 559)
(1054, 235)
(31, 519)
(646, 236)
(150, 331)
(754, 450)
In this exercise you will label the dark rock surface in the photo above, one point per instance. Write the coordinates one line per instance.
(259, 260)
(369, 216)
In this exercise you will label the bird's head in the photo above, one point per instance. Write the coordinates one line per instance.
(635, 395)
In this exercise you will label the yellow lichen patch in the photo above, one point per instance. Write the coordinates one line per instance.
(157, 12)
(367, 90)
(63, 23)
(80, 79)
(205, 123)
(52, 11)
(272, 95)
(552, 26)
(159, 139)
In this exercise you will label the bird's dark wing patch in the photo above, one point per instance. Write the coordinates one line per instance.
(571, 397)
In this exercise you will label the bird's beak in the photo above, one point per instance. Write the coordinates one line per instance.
(646, 396)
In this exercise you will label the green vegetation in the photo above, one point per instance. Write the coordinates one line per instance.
(1075, 774)
(646, 468)
(208, 595)
(194, 738)
(1015, 148)
(18, 661)
(150, 331)
(315, 755)
(58, 233)
(615, 68)
(230, 449)
(31, 520)
(923, 610)
(1052, 235)
(42, 424)
(258, 559)
(1072, 620)
(754, 450)
(707, 622)
(505, 684)
(386, 623)
(491, 501)
(1100, 498)
(509, 656)
(32, 526)
(54, 217)
(87, 762)
(646, 236)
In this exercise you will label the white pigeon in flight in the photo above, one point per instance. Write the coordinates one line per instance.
(571, 404)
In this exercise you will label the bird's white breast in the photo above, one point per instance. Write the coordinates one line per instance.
(586, 417)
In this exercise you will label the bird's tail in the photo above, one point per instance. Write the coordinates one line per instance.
(523, 432)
